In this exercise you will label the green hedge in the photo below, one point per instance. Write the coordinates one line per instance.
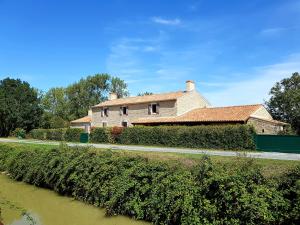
(160, 192)
(62, 134)
(235, 137)
(100, 135)
(73, 134)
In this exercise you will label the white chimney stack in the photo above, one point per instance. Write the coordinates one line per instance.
(90, 112)
(112, 96)
(190, 85)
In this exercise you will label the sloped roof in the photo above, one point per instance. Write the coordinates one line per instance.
(270, 121)
(86, 119)
(142, 99)
(218, 114)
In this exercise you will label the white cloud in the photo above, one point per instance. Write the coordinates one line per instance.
(256, 88)
(163, 21)
(272, 31)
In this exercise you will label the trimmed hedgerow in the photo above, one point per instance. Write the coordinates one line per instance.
(100, 135)
(160, 192)
(73, 134)
(236, 137)
(61, 134)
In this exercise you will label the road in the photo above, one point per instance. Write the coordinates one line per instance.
(260, 155)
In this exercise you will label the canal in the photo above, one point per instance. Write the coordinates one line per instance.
(23, 204)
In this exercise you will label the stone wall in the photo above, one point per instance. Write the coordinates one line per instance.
(189, 101)
(265, 127)
(85, 126)
(166, 108)
(262, 112)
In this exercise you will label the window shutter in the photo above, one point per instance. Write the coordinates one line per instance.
(157, 108)
(101, 112)
(126, 110)
(149, 109)
(121, 111)
(107, 112)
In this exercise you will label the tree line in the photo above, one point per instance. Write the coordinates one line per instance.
(22, 106)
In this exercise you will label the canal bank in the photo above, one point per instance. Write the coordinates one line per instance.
(23, 204)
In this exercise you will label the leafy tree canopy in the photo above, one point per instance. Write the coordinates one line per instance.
(66, 104)
(145, 93)
(19, 106)
(284, 103)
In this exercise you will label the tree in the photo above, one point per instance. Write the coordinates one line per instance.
(145, 93)
(91, 91)
(284, 103)
(119, 87)
(56, 108)
(19, 106)
(86, 93)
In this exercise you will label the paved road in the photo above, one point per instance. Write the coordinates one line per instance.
(261, 155)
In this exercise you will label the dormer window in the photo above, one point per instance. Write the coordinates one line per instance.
(124, 110)
(153, 108)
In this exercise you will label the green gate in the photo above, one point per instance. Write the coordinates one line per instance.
(278, 143)
(84, 138)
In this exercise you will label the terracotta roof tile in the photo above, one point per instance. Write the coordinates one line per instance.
(86, 119)
(142, 99)
(217, 114)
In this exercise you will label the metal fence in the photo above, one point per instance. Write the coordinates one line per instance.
(278, 143)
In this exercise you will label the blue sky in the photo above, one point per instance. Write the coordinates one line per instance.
(234, 50)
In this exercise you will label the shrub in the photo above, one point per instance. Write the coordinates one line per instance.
(40, 134)
(19, 133)
(160, 192)
(100, 135)
(73, 134)
(236, 137)
(55, 134)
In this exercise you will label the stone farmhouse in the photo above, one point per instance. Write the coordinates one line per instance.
(187, 107)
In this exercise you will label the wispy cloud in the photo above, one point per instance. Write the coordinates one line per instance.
(273, 31)
(172, 22)
(256, 88)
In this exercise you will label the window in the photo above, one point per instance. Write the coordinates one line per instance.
(106, 112)
(124, 124)
(124, 110)
(153, 108)
(104, 124)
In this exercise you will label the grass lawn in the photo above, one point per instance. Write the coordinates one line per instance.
(270, 167)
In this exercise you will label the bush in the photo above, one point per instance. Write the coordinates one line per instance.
(62, 134)
(40, 134)
(19, 133)
(235, 137)
(73, 134)
(160, 192)
(100, 135)
(55, 134)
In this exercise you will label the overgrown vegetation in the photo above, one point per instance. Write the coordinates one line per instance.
(160, 192)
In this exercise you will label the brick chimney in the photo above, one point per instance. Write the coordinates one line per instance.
(112, 96)
(190, 85)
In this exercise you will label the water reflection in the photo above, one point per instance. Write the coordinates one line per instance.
(27, 219)
(23, 204)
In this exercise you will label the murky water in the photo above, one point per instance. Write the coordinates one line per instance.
(23, 204)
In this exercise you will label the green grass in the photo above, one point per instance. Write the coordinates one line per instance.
(270, 167)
